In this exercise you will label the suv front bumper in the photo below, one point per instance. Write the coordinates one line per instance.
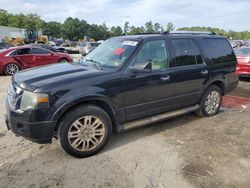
(18, 123)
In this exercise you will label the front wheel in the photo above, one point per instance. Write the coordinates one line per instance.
(11, 69)
(210, 102)
(84, 131)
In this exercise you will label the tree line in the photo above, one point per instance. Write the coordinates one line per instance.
(75, 29)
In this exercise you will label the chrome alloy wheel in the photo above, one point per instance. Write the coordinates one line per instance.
(11, 69)
(212, 102)
(86, 133)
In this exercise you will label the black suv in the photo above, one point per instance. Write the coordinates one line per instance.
(126, 82)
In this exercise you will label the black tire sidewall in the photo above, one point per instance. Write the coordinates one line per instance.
(63, 60)
(73, 116)
(204, 97)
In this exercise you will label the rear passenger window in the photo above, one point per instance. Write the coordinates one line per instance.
(218, 50)
(39, 51)
(186, 52)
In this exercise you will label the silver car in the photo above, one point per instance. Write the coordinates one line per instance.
(86, 47)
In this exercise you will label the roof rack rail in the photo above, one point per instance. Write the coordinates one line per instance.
(179, 32)
(193, 32)
(147, 33)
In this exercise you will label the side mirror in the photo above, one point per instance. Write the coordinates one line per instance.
(141, 67)
(52, 53)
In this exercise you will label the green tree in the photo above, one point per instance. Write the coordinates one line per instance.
(135, 30)
(115, 31)
(84, 28)
(170, 26)
(16, 20)
(52, 29)
(71, 29)
(149, 27)
(33, 21)
(4, 17)
(126, 28)
(98, 32)
(157, 27)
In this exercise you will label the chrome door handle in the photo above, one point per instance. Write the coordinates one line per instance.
(165, 78)
(204, 72)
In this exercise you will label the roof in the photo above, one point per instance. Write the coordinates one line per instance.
(170, 34)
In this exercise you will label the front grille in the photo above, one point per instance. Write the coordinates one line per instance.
(14, 96)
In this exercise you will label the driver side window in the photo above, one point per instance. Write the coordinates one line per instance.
(154, 52)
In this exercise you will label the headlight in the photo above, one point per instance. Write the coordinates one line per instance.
(32, 100)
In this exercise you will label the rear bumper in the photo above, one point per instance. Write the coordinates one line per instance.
(39, 132)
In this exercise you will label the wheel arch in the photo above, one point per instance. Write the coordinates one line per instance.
(103, 104)
(64, 58)
(218, 82)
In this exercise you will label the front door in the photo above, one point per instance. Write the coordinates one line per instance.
(148, 93)
(44, 57)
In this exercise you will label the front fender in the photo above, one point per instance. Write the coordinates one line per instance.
(70, 104)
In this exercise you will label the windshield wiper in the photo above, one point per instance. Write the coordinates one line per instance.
(96, 63)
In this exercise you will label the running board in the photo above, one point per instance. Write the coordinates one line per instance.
(156, 118)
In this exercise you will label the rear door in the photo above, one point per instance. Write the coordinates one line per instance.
(189, 71)
(43, 56)
(24, 57)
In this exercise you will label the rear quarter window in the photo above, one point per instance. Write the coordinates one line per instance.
(218, 50)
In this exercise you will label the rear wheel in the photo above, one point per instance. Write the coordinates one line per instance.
(210, 102)
(84, 131)
(11, 69)
(64, 60)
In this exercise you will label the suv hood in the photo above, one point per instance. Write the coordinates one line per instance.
(34, 78)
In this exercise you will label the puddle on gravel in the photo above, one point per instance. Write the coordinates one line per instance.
(235, 102)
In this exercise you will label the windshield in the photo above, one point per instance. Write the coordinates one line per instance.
(111, 53)
(243, 51)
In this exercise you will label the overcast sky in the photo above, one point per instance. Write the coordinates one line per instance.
(226, 14)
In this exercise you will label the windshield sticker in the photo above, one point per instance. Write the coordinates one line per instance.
(118, 51)
(129, 43)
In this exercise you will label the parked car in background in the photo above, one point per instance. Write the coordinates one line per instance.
(243, 58)
(71, 48)
(60, 49)
(50, 48)
(5, 45)
(127, 82)
(247, 43)
(86, 47)
(233, 43)
(18, 58)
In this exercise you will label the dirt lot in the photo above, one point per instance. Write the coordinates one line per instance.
(188, 151)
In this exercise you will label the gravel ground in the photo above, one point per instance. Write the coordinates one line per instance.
(187, 151)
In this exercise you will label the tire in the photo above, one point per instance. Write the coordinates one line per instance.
(84, 131)
(64, 60)
(11, 68)
(210, 101)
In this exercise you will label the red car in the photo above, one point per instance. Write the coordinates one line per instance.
(243, 58)
(14, 59)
